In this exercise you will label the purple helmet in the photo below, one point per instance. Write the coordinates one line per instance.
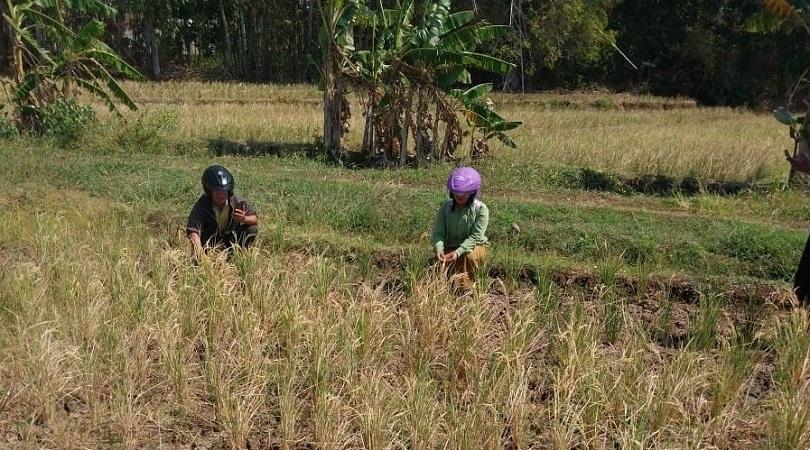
(464, 180)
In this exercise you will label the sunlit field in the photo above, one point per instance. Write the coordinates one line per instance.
(605, 318)
(592, 130)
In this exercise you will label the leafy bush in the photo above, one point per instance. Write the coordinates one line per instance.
(7, 128)
(65, 119)
(149, 133)
(42, 90)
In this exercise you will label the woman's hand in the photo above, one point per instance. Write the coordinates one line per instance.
(447, 257)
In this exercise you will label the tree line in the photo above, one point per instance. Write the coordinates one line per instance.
(706, 49)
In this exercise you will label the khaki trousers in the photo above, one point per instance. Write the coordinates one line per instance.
(462, 270)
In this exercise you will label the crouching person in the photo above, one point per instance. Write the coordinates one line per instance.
(459, 236)
(801, 280)
(219, 218)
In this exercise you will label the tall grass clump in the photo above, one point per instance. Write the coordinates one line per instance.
(703, 323)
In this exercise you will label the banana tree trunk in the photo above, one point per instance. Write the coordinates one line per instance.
(17, 57)
(472, 142)
(393, 145)
(802, 150)
(15, 43)
(6, 37)
(406, 122)
(434, 138)
(368, 130)
(332, 106)
(419, 142)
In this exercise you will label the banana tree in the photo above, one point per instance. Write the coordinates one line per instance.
(66, 62)
(337, 41)
(370, 66)
(778, 14)
(445, 47)
(481, 116)
(417, 57)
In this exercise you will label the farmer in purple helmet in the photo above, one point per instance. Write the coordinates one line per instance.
(459, 236)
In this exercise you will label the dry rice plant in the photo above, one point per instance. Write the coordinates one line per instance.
(111, 341)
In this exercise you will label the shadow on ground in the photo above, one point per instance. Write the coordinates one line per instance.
(221, 147)
(661, 185)
(574, 177)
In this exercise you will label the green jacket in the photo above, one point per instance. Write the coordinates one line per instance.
(460, 229)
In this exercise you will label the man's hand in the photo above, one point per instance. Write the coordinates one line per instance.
(196, 245)
(239, 215)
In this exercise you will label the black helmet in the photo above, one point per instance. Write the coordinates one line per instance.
(217, 178)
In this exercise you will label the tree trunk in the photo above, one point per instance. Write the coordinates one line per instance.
(17, 57)
(453, 137)
(332, 105)
(308, 45)
(6, 39)
(242, 42)
(420, 128)
(391, 142)
(472, 142)
(153, 57)
(226, 30)
(300, 47)
(406, 119)
(792, 173)
(258, 31)
(268, 43)
(802, 180)
(368, 131)
(332, 85)
(434, 139)
(802, 150)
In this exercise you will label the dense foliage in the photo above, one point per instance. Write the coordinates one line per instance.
(57, 50)
(700, 48)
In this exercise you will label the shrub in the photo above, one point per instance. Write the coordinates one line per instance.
(65, 119)
(149, 133)
(7, 129)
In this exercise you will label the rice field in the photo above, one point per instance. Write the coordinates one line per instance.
(112, 339)
(603, 320)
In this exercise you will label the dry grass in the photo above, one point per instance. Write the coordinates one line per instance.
(717, 143)
(236, 92)
(179, 92)
(110, 338)
(709, 143)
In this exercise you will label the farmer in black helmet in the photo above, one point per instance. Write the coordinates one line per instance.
(220, 218)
